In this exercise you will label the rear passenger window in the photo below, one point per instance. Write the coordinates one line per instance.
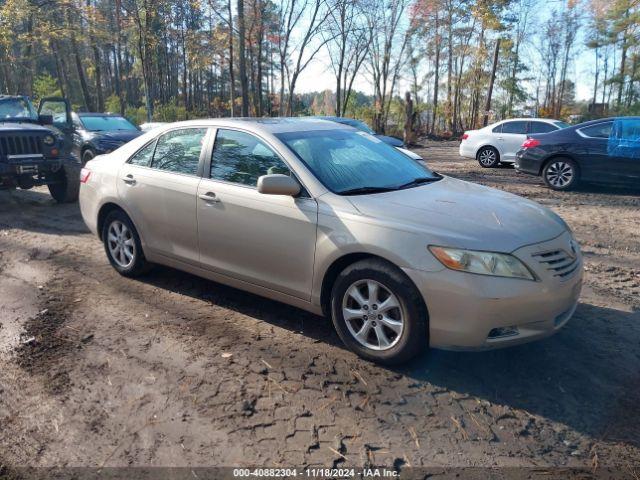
(143, 157)
(541, 127)
(179, 151)
(497, 129)
(601, 130)
(515, 127)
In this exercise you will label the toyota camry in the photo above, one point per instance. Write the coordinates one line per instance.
(334, 221)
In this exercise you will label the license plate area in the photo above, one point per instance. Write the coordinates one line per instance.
(27, 169)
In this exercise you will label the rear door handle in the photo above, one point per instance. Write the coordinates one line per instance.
(129, 180)
(209, 197)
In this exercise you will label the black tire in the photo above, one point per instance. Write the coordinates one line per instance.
(561, 174)
(67, 184)
(488, 157)
(138, 265)
(414, 337)
(87, 155)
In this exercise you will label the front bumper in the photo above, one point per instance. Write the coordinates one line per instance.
(466, 309)
(29, 165)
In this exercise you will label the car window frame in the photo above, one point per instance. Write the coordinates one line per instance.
(207, 146)
(304, 191)
(580, 132)
(526, 127)
(554, 128)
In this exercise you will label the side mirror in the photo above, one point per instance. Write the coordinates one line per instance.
(45, 119)
(278, 184)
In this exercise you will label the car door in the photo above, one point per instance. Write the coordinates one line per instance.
(511, 138)
(77, 135)
(592, 151)
(158, 185)
(624, 151)
(266, 240)
(60, 111)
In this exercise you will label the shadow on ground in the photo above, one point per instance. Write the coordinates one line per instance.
(586, 377)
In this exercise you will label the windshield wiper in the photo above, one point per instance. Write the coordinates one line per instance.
(364, 190)
(418, 181)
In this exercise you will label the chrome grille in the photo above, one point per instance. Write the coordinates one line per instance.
(20, 145)
(558, 262)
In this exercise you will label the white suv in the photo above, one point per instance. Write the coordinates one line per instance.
(499, 142)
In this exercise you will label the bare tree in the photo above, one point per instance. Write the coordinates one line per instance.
(348, 46)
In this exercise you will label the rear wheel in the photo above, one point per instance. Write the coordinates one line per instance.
(122, 245)
(378, 312)
(67, 184)
(561, 174)
(488, 157)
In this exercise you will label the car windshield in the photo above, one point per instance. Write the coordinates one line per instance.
(561, 124)
(98, 123)
(349, 162)
(17, 108)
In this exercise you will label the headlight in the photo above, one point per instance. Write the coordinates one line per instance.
(48, 140)
(482, 263)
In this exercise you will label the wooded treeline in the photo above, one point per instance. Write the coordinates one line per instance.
(465, 62)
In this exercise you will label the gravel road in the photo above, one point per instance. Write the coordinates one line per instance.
(99, 370)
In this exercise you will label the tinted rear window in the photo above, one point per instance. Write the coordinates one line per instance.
(541, 127)
(515, 127)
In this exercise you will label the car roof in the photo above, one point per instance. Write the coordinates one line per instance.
(97, 114)
(529, 119)
(267, 124)
(602, 120)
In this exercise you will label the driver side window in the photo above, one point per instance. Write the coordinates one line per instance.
(240, 157)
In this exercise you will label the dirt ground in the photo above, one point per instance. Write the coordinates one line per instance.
(172, 370)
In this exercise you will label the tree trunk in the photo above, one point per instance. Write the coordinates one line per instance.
(243, 66)
(487, 105)
(232, 78)
(436, 79)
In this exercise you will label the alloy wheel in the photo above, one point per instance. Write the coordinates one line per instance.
(373, 314)
(121, 244)
(487, 157)
(560, 174)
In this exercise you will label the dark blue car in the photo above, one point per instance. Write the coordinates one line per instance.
(600, 151)
(360, 125)
(100, 133)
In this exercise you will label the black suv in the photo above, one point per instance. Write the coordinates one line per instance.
(35, 147)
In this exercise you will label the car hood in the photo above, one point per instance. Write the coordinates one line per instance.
(22, 127)
(465, 215)
(393, 141)
(122, 136)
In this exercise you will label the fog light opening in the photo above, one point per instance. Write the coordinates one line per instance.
(503, 332)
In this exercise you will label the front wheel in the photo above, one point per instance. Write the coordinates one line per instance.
(122, 245)
(378, 312)
(87, 156)
(66, 186)
(561, 174)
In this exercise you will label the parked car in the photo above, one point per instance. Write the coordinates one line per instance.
(499, 142)
(599, 151)
(100, 133)
(34, 148)
(360, 125)
(316, 215)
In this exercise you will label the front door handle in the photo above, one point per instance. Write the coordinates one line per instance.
(129, 180)
(209, 197)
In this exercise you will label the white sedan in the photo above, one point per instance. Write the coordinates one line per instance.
(499, 142)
